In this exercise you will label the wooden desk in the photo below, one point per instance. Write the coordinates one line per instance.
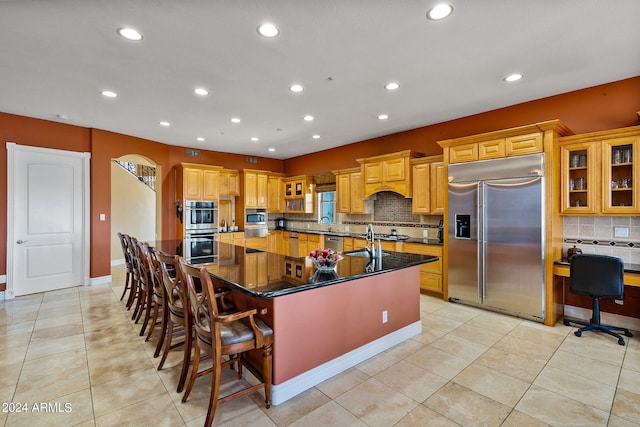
(630, 279)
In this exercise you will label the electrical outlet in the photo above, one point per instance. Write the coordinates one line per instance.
(384, 316)
(346, 228)
(620, 231)
(425, 233)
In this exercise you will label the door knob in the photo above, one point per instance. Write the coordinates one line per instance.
(21, 242)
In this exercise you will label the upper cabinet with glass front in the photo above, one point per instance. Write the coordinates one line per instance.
(620, 173)
(579, 177)
(598, 172)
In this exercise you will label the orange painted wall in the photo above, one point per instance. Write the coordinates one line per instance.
(609, 106)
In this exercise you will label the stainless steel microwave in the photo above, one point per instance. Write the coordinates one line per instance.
(255, 217)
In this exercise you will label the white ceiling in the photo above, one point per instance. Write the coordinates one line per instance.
(57, 55)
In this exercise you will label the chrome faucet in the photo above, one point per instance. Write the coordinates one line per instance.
(371, 241)
(328, 221)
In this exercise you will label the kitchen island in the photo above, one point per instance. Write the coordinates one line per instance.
(324, 323)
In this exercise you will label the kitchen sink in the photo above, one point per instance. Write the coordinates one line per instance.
(363, 253)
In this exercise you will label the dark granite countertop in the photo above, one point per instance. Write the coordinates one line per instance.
(240, 268)
(628, 267)
(421, 240)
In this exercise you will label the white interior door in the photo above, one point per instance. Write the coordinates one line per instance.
(47, 235)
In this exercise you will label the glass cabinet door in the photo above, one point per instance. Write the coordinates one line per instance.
(579, 182)
(619, 159)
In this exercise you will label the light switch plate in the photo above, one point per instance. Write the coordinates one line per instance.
(103, 217)
(620, 231)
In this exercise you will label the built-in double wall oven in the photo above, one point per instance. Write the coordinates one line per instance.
(201, 231)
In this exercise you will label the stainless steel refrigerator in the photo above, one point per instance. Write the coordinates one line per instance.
(496, 235)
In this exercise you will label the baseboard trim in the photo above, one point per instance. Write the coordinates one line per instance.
(99, 280)
(115, 262)
(605, 318)
(282, 392)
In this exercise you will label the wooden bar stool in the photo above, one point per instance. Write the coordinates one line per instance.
(219, 335)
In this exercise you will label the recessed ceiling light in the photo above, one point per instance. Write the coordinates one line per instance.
(130, 34)
(201, 91)
(268, 30)
(272, 149)
(513, 77)
(391, 86)
(316, 137)
(439, 11)
(255, 139)
(200, 139)
(296, 88)
(165, 124)
(308, 118)
(383, 116)
(109, 93)
(235, 120)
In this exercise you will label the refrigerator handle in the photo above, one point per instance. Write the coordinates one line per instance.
(480, 239)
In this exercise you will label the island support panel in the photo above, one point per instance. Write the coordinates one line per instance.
(321, 332)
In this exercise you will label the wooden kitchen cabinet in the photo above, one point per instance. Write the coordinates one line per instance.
(389, 172)
(350, 192)
(260, 243)
(229, 183)
(579, 178)
(255, 188)
(275, 190)
(276, 242)
(431, 273)
(494, 148)
(197, 182)
(255, 269)
(303, 245)
(620, 175)
(314, 241)
(299, 194)
(599, 173)
(429, 185)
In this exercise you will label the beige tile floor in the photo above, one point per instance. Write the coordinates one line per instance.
(77, 351)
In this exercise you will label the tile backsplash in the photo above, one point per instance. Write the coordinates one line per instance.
(596, 235)
(390, 211)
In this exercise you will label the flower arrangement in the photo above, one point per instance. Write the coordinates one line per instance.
(325, 258)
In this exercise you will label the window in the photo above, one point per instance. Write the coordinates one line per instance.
(327, 207)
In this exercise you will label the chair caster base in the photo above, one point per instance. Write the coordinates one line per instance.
(578, 333)
(621, 341)
(628, 334)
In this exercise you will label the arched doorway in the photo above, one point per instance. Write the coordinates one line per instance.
(135, 205)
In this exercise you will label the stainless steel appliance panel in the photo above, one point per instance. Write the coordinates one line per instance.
(201, 215)
(201, 245)
(513, 245)
(255, 217)
(464, 268)
(496, 234)
(335, 243)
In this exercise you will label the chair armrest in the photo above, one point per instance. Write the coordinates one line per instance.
(226, 318)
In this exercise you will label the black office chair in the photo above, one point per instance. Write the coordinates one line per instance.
(597, 276)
